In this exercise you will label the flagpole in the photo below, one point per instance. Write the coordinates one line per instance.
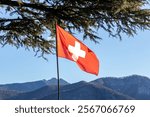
(57, 62)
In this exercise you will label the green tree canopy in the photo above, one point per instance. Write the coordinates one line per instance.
(23, 23)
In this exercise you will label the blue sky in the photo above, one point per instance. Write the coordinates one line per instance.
(117, 59)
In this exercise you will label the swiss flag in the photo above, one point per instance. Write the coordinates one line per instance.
(71, 48)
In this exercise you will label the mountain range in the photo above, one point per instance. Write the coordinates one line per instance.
(30, 86)
(108, 88)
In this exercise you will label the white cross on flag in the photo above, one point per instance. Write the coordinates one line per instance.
(71, 48)
(76, 51)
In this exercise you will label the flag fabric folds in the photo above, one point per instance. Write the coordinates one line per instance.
(71, 48)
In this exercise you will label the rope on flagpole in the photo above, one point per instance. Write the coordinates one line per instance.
(57, 62)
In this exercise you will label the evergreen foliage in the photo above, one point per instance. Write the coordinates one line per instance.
(23, 23)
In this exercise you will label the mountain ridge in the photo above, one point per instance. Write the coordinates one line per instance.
(135, 86)
(87, 91)
(110, 88)
(30, 86)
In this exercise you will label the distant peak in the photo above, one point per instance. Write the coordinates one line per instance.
(136, 76)
(82, 82)
(53, 78)
(54, 81)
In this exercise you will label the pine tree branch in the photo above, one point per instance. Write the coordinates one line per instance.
(85, 16)
(29, 5)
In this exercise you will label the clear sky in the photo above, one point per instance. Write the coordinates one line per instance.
(117, 58)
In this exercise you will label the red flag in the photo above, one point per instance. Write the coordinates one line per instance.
(71, 48)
